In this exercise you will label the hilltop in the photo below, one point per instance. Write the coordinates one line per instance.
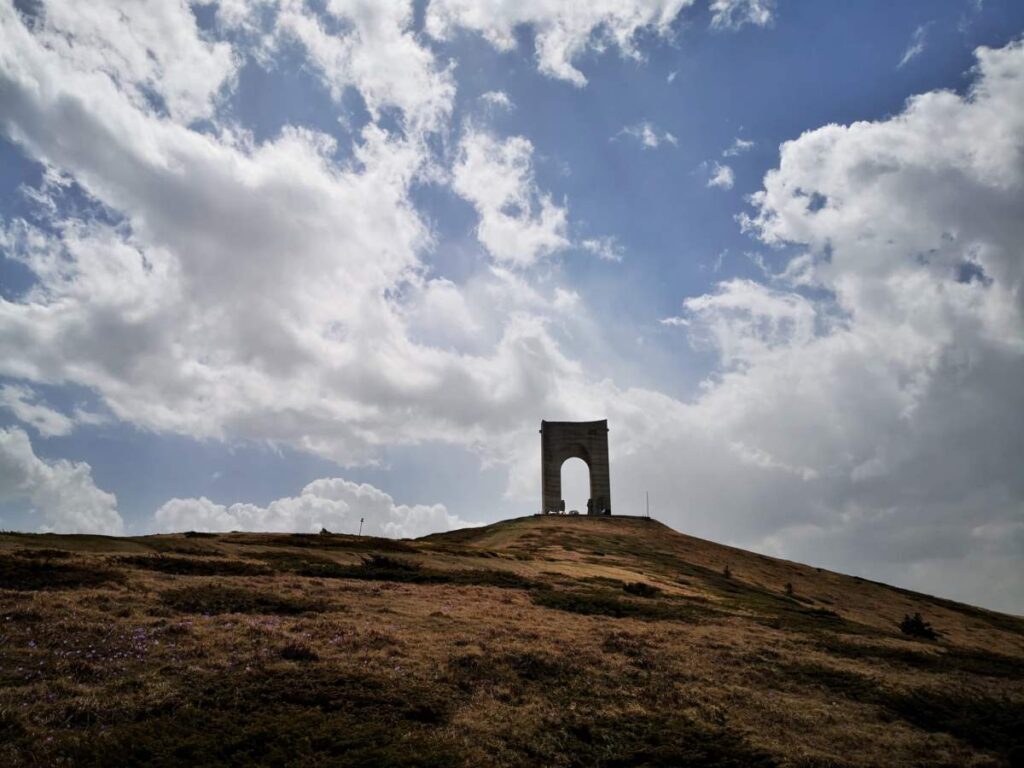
(561, 641)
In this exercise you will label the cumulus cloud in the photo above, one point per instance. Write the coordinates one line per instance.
(204, 298)
(733, 14)
(744, 321)
(331, 503)
(564, 29)
(518, 222)
(721, 176)
(648, 135)
(61, 494)
(881, 416)
(151, 47)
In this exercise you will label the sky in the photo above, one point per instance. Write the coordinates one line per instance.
(293, 264)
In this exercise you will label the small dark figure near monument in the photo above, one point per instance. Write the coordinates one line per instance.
(789, 589)
(727, 572)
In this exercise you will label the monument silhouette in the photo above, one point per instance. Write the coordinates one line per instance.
(587, 440)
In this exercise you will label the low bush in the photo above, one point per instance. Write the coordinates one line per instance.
(296, 651)
(915, 626)
(642, 589)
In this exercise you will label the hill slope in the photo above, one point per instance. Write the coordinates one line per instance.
(538, 641)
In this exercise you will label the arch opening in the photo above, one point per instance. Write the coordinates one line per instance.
(575, 485)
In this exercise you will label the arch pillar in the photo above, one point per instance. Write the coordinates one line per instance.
(587, 440)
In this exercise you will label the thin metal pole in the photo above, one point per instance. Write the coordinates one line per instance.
(360, 526)
(648, 493)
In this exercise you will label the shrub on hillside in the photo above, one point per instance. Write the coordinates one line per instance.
(641, 589)
(296, 651)
(915, 626)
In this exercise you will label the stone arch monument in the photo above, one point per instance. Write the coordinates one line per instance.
(587, 440)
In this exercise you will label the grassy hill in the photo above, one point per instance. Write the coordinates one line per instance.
(550, 641)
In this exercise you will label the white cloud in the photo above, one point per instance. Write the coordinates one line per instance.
(519, 224)
(376, 51)
(881, 418)
(605, 248)
(497, 100)
(648, 135)
(916, 45)
(61, 493)
(23, 403)
(745, 321)
(264, 291)
(738, 147)
(733, 14)
(151, 47)
(564, 29)
(675, 320)
(331, 503)
(721, 176)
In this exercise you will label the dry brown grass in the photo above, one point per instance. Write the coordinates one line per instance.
(524, 643)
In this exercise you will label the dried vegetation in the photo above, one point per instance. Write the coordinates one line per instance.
(540, 641)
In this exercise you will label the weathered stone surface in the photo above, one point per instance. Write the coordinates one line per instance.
(587, 440)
